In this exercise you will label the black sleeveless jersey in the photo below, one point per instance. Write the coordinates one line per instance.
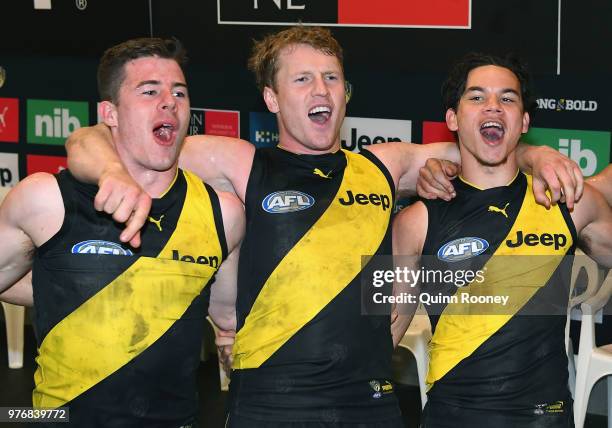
(304, 351)
(493, 356)
(118, 329)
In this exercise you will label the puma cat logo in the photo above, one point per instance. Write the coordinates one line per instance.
(494, 209)
(157, 222)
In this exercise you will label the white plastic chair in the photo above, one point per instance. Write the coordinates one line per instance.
(14, 318)
(581, 261)
(223, 379)
(416, 340)
(593, 362)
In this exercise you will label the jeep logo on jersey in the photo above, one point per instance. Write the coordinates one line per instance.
(287, 201)
(100, 247)
(201, 260)
(363, 199)
(531, 239)
(462, 248)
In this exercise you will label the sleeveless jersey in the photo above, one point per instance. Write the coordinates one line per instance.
(119, 330)
(495, 357)
(304, 351)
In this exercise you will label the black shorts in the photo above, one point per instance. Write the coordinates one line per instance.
(437, 415)
(235, 421)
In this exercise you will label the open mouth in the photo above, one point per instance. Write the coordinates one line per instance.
(492, 131)
(164, 132)
(319, 114)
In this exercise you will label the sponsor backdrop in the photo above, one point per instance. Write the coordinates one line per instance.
(396, 55)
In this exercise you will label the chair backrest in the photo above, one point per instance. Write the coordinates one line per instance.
(590, 308)
(581, 262)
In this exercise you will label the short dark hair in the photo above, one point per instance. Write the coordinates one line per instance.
(111, 71)
(454, 86)
(264, 57)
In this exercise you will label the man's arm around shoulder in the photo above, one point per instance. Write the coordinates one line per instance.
(404, 160)
(222, 162)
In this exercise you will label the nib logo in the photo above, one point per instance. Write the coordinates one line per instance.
(585, 158)
(589, 149)
(51, 122)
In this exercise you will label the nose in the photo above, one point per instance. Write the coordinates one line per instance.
(320, 87)
(168, 101)
(493, 105)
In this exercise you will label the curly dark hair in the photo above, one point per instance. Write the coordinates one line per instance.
(454, 86)
(111, 71)
(264, 56)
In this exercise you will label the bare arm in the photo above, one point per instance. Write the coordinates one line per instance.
(553, 171)
(20, 293)
(404, 160)
(409, 232)
(223, 162)
(603, 183)
(222, 308)
(30, 214)
(593, 220)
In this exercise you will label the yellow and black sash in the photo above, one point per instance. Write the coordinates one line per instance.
(322, 263)
(462, 329)
(133, 311)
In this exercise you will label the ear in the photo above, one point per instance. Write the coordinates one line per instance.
(270, 99)
(107, 112)
(451, 120)
(526, 120)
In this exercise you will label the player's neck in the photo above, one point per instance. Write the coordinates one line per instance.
(155, 183)
(290, 144)
(488, 176)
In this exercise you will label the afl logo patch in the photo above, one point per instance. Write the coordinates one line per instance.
(100, 247)
(287, 201)
(462, 249)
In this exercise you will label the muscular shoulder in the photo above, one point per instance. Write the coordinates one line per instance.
(234, 220)
(410, 229)
(35, 205)
(592, 207)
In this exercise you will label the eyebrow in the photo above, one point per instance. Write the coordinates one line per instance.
(157, 82)
(504, 91)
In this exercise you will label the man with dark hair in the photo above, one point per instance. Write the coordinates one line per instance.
(304, 355)
(119, 329)
(497, 365)
(111, 71)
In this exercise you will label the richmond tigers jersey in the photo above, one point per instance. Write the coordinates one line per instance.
(303, 350)
(119, 329)
(498, 357)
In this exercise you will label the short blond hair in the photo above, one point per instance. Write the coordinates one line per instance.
(264, 56)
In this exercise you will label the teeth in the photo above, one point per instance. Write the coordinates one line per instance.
(491, 125)
(321, 109)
